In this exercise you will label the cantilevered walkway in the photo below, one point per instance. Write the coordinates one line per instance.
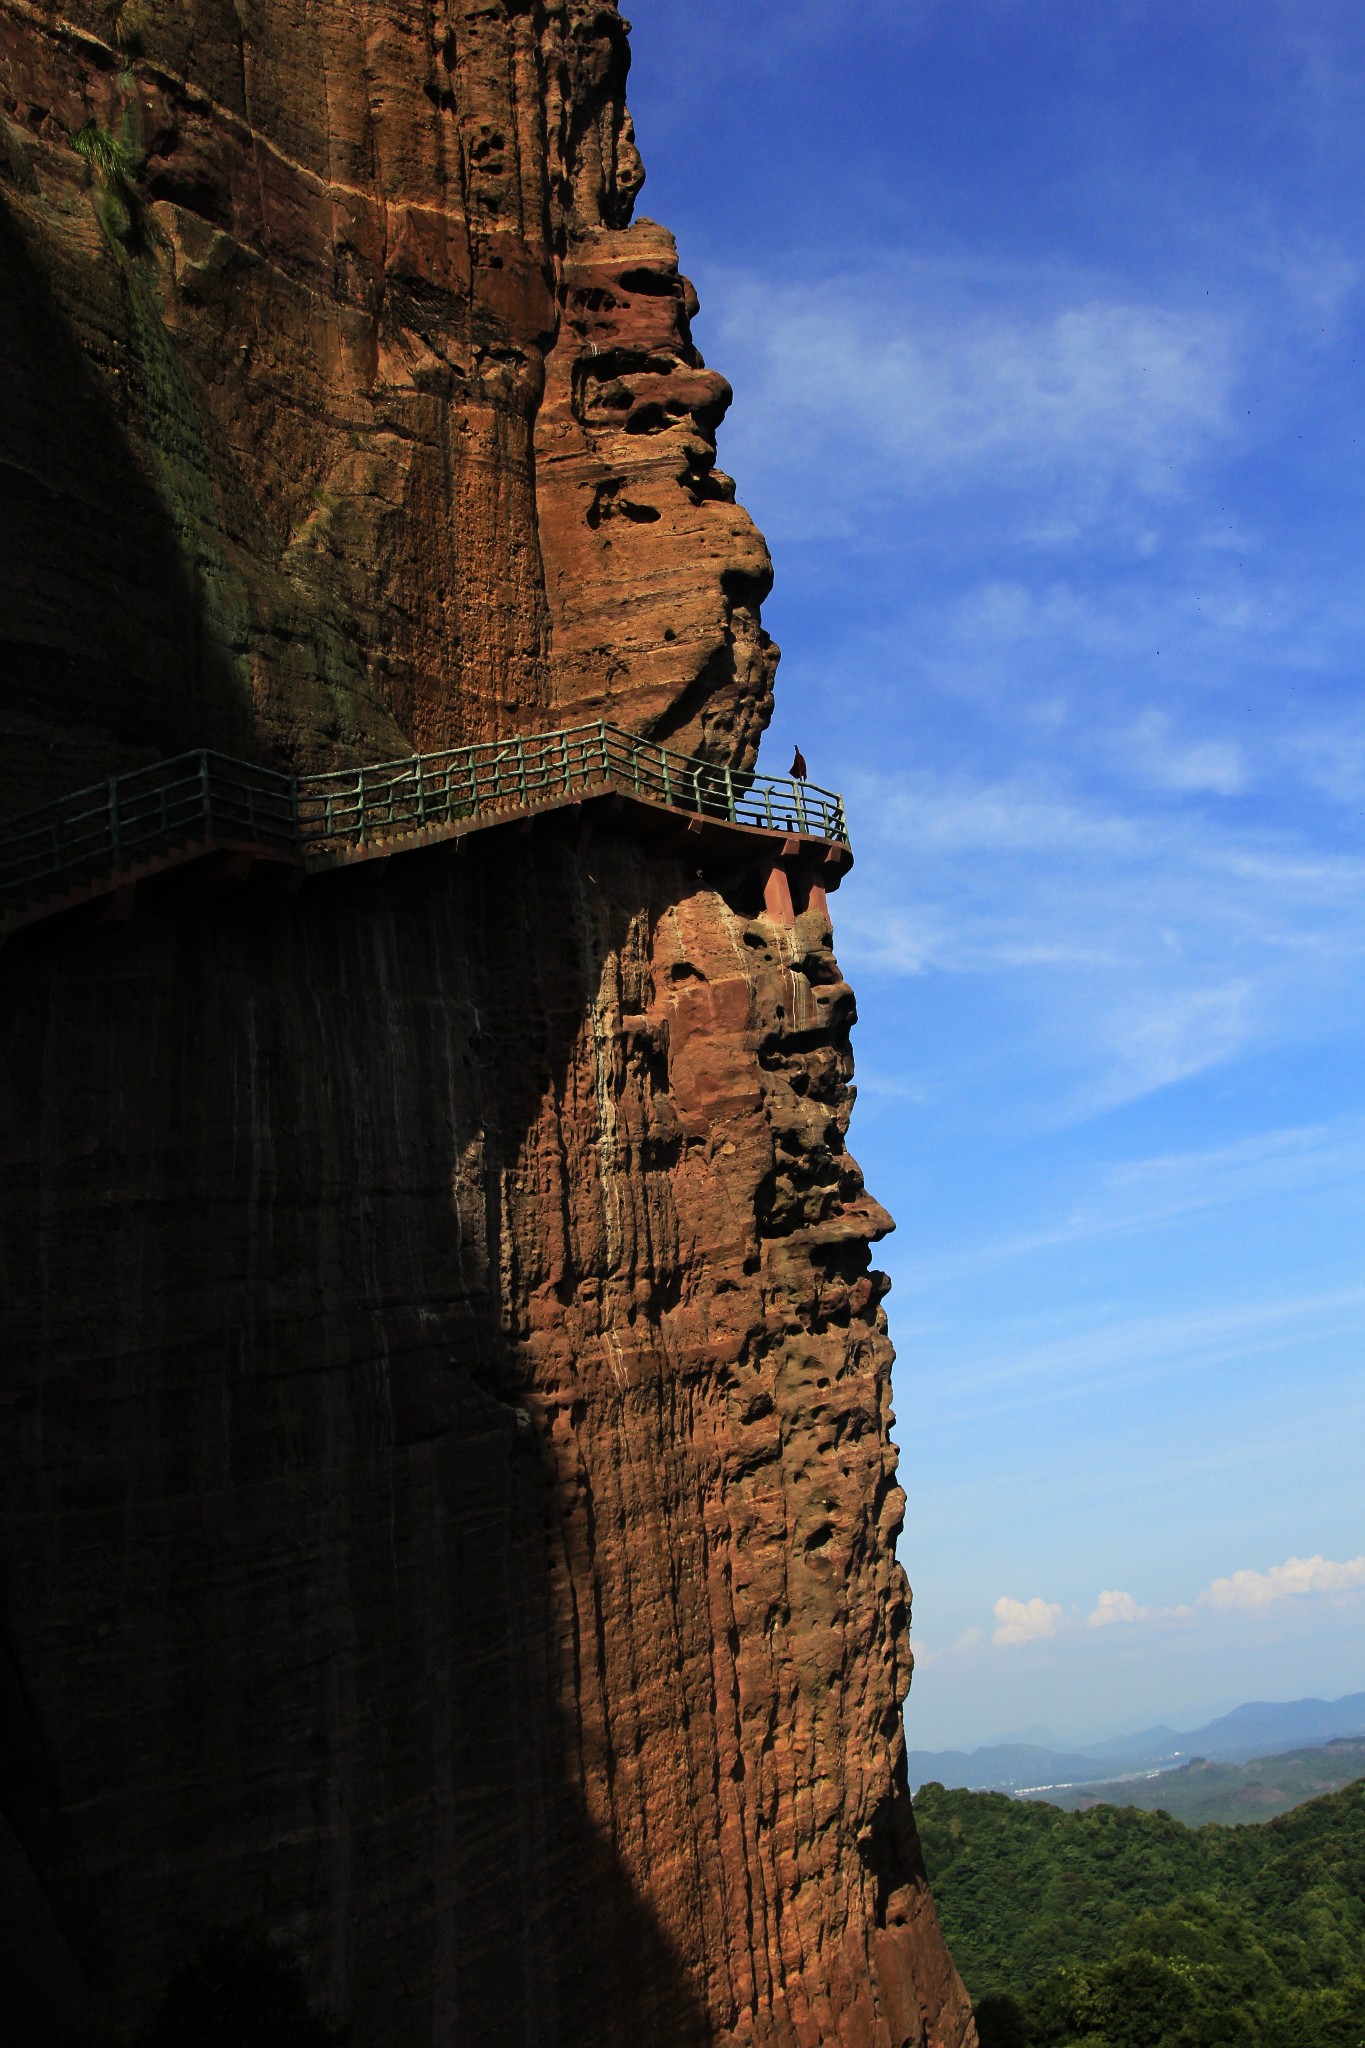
(221, 822)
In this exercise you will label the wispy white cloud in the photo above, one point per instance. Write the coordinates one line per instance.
(1102, 1357)
(1142, 1193)
(1330, 755)
(925, 1654)
(1158, 1037)
(1136, 1197)
(1141, 944)
(903, 384)
(1216, 766)
(1070, 545)
(1315, 275)
(1085, 845)
(1134, 669)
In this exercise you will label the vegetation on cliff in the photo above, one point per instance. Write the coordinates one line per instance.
(1121, 1929)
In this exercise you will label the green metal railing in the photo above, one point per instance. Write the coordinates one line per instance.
(110, 826)
(354, 805)
(113, 824)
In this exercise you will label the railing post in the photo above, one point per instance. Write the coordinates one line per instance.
(295, 821)
(421, 794)
(800, 808)
(602, 742)
(205, 792)
(565, 769)
(113, 822)
(523, 795)
(668, 786)
(730, 794)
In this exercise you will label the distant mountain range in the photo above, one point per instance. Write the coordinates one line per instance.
(1255, 1730)
(1206, 1790)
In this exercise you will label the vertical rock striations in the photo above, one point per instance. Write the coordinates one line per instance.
(281, 300)
(448, 1503)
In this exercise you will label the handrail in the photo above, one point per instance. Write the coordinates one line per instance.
(105, 829)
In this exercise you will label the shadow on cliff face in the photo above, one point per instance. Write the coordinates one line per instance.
(107, 657)
(280, 1576)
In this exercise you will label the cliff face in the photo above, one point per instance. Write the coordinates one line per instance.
(448, 1504)
(275, 340)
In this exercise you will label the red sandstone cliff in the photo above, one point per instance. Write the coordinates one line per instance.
(353, 383)
(448, 1504)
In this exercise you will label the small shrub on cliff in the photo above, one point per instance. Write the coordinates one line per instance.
(128, 20)
(110, 159)
(115, 164)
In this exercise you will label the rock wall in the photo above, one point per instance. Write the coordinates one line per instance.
(448, 1509)
(280, 297)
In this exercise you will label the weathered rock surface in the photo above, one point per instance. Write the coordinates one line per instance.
(273, 420)
(448, 1509)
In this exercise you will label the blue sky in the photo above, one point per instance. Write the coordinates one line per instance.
(1046, 321)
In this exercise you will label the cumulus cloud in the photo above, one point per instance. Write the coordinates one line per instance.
(1247, 1590)
(1291, 1580)
(1025, 1621)
(1116, 1606)
(1032, 1621)
(1112, 1607)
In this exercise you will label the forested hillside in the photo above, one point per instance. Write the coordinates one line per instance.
(1206, 1790)
(1120, 1929)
